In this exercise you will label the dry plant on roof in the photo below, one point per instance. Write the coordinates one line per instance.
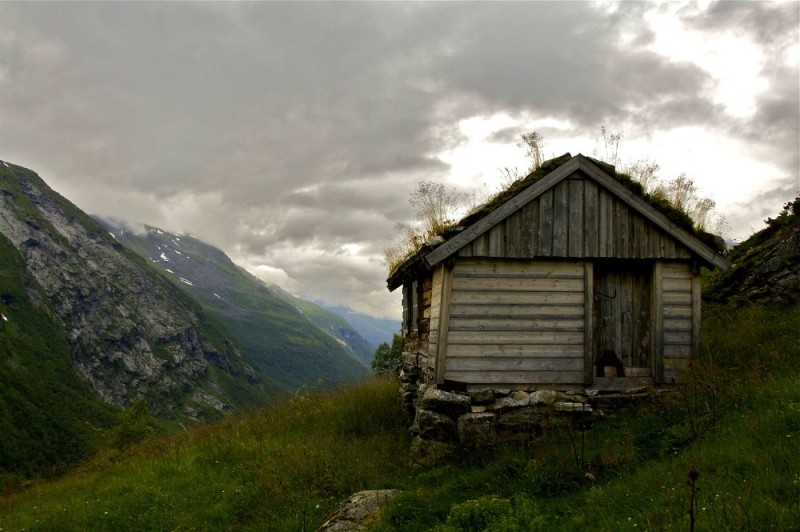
(436, 208)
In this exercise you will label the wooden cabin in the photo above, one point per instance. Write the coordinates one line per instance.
(573, 280)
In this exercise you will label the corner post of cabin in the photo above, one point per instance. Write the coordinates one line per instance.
(657, 322)
(697, 303)
(588, 322)
(444, 319)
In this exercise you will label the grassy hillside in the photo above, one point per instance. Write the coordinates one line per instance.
(736, 421)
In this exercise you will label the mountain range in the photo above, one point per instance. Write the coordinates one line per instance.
(95, 316)
(290, 341)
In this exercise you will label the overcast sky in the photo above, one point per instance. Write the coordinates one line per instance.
(291, 134)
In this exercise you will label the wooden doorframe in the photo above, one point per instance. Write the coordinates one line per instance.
(642, 331)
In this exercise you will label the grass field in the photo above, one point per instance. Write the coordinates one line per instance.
(736, 421)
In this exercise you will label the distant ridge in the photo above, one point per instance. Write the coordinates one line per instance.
(374, 330)
(291, 342)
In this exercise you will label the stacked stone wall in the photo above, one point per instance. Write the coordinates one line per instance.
(447, 423)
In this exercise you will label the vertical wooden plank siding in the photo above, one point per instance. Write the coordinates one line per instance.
(657, 323)
(497, 241)
(513, 234)
(678, 315)
(436, 305)
(414, 314)
(516, 322)
(561, 198)
(588, 321)
(546, 224)
(575, 221)
(444, 323)
(697, 303)
(591, 219)
(406, 309)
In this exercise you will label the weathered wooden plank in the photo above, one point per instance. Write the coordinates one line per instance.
(545, 236)
(414, 305)
(561, 199)
(677, 351)
(513, 364)
(497, 241)
(548, 268)
(530, 337)
(697, 304)
(517, 311)
(627, 321)
(657, 322)
(515, 324)
(575, 227)
(653, 241)
(605, 233)
(565, 377)
(511, 297)
(677, 325)
(638, 237)
(518, 350)
(589, 326)
(673, 284)
(529, 228)
(675, 312)
(677, 299)
(517, 284)
(406, 308)
(684, 338)
(591, 216)
(641, 321)
(513, 232)
(466, 251)
(679, 270)
(444, 322)
(622, 224)
(480, 246)
(502, 212)
(515, 275)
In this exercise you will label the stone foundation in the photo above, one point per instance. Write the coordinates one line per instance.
(446, 423)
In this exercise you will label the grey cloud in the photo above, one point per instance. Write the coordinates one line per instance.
(298, 126)
(766, 22)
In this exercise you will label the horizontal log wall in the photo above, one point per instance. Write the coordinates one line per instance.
(516, 322)
(575, 219)
(429, 364)
(677, 315)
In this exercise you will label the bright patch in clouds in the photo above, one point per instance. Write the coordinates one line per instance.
(732, 61)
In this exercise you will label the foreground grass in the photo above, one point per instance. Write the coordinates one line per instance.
(736, 420)
(272, 470)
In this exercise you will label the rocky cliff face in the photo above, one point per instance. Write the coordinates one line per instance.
(765, 268)
(132, 334)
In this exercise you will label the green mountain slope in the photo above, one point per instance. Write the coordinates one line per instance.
(279, 336)
(374, 330)
(332, 324)
(131, 334)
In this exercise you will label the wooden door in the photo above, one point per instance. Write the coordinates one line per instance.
(622, 315)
